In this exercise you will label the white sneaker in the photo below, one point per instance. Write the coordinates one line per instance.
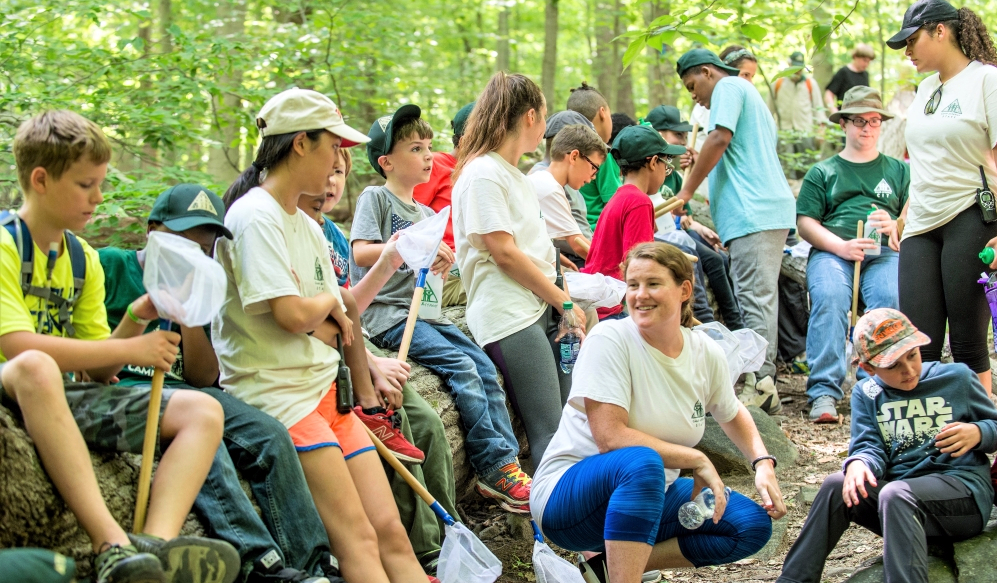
(651, 577)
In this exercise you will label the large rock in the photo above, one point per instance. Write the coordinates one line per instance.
(727, 459)
(974, 558)
(939, 571)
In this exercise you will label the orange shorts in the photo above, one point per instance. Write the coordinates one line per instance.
(327, 427)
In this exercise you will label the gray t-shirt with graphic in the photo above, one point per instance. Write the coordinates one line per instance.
(380, 214)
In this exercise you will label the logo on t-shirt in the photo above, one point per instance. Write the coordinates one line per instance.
(952, 110)
(319, 275)
(698, 414)
(883, 189)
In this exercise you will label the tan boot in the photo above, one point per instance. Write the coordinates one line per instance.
(763, 395)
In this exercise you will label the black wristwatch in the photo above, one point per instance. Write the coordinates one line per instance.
(754, 462)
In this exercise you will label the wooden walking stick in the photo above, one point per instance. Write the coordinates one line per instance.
(856, 279)
(667, 206)
(149, 445)
(695, 134)
(413, 314)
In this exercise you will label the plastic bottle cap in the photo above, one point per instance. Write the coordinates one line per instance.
(987, 255)
(568, 305)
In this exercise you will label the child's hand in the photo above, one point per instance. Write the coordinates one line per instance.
(144, 309)
(390, 396)
(390, 253)
(158, 349)
(395, 371)
(856, 475)
(958, 438)
(444, 259)
(344, 322)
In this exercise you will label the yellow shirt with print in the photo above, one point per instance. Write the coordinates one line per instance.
(20, 313)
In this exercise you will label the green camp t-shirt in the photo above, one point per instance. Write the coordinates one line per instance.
(123, 285)
(674, 181)
(839, 193)
(598, 192)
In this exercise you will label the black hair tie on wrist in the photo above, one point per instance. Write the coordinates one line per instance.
(754, 462)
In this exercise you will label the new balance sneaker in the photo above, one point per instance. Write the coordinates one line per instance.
(823, 410)
(509, 485)
(124, 564)
(270, 569)
(191, 559)
(387, 426)
(761, 394)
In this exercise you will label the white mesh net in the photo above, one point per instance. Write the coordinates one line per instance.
(465, 559)
(185, 285)
(551, 568)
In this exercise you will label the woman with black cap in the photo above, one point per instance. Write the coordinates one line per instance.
(952, 142)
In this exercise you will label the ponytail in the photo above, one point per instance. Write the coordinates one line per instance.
(273, 151)
(971, 36)
(496, 116)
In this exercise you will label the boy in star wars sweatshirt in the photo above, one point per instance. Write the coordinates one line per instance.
(917, 464)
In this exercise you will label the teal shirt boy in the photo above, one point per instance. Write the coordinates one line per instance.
(748, 190)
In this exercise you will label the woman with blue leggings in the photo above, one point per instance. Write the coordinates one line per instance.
(639, 397)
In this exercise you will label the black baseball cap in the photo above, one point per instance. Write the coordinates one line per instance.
(697, 57)
(919, 14)
(380, 134)
(636, 143)
(667, 117)
(186, 206)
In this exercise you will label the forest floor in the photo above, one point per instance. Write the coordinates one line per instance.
(822, 449)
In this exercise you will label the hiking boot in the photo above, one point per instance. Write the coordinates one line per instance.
(387, 426)
(761, 394)
(430, 562)
(823, 410)
(192, 559)
(509, 485)
(270, 569)
(124, 564)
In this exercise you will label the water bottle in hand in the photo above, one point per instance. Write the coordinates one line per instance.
(871, 232)
(571, 340)
(694, 513)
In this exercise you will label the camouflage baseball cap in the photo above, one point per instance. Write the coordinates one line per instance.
(884, 335)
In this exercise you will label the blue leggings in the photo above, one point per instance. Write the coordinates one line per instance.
(621, 496)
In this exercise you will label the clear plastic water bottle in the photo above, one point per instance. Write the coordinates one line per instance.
(695, 512)
(872, 233)
(571, 340)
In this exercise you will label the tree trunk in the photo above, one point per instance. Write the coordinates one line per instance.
(882, 53)
(625, 80)
(549, 75)
(502, 44)
(823, 60)
(660, 67)
(165, 14)
(223, 157)
(607, 65)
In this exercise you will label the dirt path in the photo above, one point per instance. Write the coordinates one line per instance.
(822, 449)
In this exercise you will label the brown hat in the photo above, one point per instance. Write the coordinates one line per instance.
(883, 335)
(858, 100)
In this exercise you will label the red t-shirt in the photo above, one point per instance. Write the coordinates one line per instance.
(436, 193)
(627, 220)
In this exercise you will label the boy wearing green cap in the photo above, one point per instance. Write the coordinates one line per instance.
(54, 321)
(750, 200)
(399, 149)
(858, 184)
(917, 464)
(259, 443)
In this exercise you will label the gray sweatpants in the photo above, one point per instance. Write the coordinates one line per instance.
(755, 262)
(903, 512)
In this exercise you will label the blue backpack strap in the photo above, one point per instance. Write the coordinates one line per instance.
(25, 249)
(78, 260)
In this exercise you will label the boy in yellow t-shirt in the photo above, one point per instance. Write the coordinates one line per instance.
(54, 321)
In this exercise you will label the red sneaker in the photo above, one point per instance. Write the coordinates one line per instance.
(386, 425)
(509, 485)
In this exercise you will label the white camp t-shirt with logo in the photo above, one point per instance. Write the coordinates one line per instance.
(948, 147)
(272, 254)
(492, 196)
(666, 398)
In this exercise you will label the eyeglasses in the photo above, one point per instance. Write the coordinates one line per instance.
(933, 103)
(861, 122)
(595, 167)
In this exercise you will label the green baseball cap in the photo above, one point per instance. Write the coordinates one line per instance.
(797, 59)
(697, 57)
(186, 206)
(667, 117)
(636, 143)
(858, 100)
(919, 14)
(380, 134)
(460, 120)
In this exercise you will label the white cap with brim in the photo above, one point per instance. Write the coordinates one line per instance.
(299, 110)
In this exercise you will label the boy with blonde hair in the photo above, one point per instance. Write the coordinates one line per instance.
(54, 322)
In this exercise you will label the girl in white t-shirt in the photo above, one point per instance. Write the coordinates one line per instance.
(951, 137)
(641, 391)
(274, 335)
(506, 257)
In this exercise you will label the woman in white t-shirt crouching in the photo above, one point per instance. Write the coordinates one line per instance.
(506, 257)
(641, 391)
(951, 136)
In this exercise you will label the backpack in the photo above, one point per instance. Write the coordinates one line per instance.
(26, 250)
(778, 84)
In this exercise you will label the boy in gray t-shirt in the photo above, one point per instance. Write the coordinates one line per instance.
(400, 150)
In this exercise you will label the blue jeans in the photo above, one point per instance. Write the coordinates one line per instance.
(829, 282)
(260, 447)
(471, 377)
(621, 496)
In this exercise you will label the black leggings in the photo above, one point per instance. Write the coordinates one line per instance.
(938, 273)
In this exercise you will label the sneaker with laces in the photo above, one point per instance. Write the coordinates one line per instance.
(761, 394)
(823, 410)
(270, 569)
(387, 426)
(124, 564)
(192, 559)
(509, 485)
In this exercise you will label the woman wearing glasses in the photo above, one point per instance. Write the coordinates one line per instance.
(952, 139)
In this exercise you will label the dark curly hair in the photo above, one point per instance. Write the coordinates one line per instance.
(970, 35)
